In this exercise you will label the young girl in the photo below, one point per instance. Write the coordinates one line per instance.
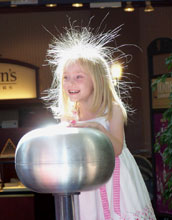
(84, 94)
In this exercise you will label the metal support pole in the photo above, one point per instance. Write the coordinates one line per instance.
(67, 206)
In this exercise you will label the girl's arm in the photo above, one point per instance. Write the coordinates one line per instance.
(116, 131)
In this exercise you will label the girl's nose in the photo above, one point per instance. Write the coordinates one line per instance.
(72, 81)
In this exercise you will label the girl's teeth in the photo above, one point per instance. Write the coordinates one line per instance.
(73, 91)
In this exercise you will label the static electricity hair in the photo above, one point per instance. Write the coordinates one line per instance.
(89, 48)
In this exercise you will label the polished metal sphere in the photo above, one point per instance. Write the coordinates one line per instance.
(59, 159)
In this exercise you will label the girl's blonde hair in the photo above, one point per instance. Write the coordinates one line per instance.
(90, 50)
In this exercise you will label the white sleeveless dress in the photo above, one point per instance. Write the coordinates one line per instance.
(123, 197)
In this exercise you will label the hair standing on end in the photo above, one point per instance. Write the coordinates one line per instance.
(91, 50)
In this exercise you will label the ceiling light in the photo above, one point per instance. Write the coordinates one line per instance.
(77, 5)
(116, 70)
(51, 5)
(13, 6)
(129, 7)
(148, 7)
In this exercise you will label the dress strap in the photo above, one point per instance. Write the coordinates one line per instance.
(116, 187)
(105, 203)
(116, 193)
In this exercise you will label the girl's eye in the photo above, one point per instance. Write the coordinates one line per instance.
(79, 76)
(65, 77)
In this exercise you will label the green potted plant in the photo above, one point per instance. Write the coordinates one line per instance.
(164, 137)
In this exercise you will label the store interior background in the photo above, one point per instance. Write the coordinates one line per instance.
(23, 37)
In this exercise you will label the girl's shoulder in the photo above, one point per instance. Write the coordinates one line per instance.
(117, 113)
(116, 107)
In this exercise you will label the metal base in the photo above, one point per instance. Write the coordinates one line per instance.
(67, 206)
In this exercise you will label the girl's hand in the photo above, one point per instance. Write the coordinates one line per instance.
(115, 132)
(95, 125)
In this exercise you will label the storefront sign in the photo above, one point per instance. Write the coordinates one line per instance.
(17, 81)
(160, 97)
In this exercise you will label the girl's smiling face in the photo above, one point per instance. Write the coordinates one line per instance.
(77, 83)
